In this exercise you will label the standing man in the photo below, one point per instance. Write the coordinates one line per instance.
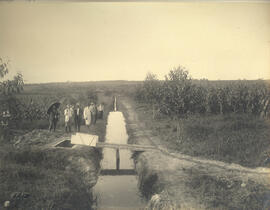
(71, 109)
(53, 118)
(93, 113)
(71, 112)
(67, 114)
(77, 117)
(100, 109)
(87, 115)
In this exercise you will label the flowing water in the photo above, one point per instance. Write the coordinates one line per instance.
(118, 188)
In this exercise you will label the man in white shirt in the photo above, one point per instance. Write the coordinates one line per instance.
(87, 115)
(100, 109)
(68, 115)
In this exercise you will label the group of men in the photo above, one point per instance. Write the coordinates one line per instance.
(90, 114)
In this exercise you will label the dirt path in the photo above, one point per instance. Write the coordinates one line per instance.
(183, 182)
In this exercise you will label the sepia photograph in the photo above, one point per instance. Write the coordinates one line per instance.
(134, 105)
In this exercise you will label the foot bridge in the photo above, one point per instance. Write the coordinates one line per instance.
(92, 141)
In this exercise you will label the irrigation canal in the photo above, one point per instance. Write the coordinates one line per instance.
(117, 184)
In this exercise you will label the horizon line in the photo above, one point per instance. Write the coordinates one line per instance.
(99, 81)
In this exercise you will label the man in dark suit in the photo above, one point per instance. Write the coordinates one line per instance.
(53, 118)
(78, 112)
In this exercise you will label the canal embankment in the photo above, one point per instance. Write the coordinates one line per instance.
(172, 180)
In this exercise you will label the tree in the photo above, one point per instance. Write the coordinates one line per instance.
(7, 90)
(8, 87)
(3, 68)
(178, 90)
(151, 89)
(179, 96)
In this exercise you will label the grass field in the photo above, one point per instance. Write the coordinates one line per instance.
(233, 138)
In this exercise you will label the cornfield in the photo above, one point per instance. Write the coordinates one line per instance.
(34, 107)
(179, 95)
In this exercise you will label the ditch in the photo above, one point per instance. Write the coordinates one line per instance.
(117, 186)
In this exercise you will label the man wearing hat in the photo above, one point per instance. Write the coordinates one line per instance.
(53, 118)
(78, 117)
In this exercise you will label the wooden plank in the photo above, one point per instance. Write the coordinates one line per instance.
(134, 147)
(84, 139)
(114, 172)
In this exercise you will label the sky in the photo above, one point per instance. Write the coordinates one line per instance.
(91, 41)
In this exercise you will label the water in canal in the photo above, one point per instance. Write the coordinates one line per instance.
(117, 189)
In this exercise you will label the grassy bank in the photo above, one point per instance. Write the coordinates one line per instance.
(235, 138)
(179, 181)
(48, 178)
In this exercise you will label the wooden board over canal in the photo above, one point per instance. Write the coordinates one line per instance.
(92, 141)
